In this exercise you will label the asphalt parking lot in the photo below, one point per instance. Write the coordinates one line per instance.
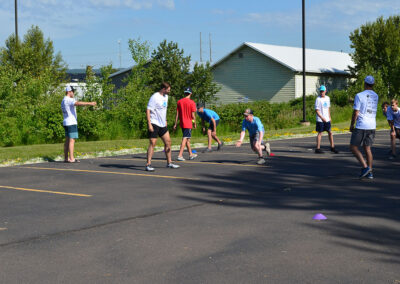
(218, 219)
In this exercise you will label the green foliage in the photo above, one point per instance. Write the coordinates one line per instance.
(339, 97)
(377, 50)
(202, 83)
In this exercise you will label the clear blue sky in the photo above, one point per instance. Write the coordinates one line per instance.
(87, 32)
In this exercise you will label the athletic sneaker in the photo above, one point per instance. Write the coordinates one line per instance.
(267, 149)
(192, 157)
(149, 168)
(333, 150)
(261, 161)
(364, 172)
(318, 151)
(180, 159)
(220, 146)
(370, 176)
(173, 166)
(207, 150)
(392, 157)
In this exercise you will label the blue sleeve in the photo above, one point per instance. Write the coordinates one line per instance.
(244, 127)
(357, 103)
(260, 126)
(389, 114)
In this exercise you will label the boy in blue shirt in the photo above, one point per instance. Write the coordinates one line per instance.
(211, 117)
(256, 131)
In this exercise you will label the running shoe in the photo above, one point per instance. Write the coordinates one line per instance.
(370, 176)
(173, 166)
(318, 151)
(333, 150)
(192, 157)
(261, 161)
(149, 168)
(364, 172)
(180, 159)
(220, 146)
(392, 157)
(207, 150)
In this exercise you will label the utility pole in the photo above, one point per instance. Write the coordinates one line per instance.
(16, 22)
(209, 38)
(304, 122)
(119, 53)
(201, 58)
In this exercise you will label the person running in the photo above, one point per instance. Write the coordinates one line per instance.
(156, 114)
(186, 112)
(322, 109)
(211, 117)
(393, 117)
(364, 112)
(385, 106)
(70, 123)
(256, 132)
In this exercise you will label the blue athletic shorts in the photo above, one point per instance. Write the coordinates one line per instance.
(71, 131)
(187, 133)
(323, 126)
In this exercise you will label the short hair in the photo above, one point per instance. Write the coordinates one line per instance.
(165, 85)
(394, 101)
(384, 104)
(369, 85)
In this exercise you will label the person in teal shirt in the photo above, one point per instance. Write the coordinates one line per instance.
(256, 132)
(211, 117)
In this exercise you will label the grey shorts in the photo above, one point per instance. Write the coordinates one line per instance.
(254, 138)
(362, 137)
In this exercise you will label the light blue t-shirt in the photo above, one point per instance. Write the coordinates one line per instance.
(395, 116)
(366, 103)
(208, 114)
(253, 127)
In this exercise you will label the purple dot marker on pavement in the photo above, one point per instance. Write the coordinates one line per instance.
(319, 217)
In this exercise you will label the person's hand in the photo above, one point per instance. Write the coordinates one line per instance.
(204, 130)
(351, 128)
(393, 133)
(93, 103)
(151, 129)
(174, 126)
(214, 133)
(238, 143)
(194, 125)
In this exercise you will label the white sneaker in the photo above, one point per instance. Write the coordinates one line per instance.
(261, 161)
(180, 159)
(173, 166)
(149, 168)
(192, 157)
(267, 149)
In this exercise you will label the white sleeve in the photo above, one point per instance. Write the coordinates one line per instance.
(152, 104)
(317, 104)
(329, 102)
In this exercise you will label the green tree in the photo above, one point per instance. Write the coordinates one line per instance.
(169, 64)
(377, 49)
(202, 83)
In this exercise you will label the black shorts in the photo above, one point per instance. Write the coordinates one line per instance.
(362, 137)
(211, 127)
(397, 131)
(323, 126)
(158, 131)
(254, 138)
(187, 133)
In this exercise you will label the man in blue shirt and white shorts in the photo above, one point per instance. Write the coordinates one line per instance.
(256, 131)
(364, 112)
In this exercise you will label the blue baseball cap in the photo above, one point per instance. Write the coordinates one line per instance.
(369, 80)
(69, 89)
(322, 88)
(188, 90)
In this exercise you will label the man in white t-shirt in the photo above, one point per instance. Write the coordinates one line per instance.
(156, 114)
(393, 117)
(364, 112)
(322, 109)
(70, 123)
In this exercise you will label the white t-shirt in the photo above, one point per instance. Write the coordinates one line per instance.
(69, 111)
(323, 104)
(366, 103)
(158, 109)
(395, 116)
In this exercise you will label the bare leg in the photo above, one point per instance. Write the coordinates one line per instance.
(167, 146)
(183, 144)
(393, 142)
(150, 150)
(214, 136)
(189, 148)
(257, 149)
(209, 138)
(319, 140)
(71, 147)
(331, 139)
(66, 149)
(356, 152)
(368, 153)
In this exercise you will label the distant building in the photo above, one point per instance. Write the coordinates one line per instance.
(119, 78)
(255, 71)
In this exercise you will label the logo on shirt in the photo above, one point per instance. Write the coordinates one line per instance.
(325, 104)
(164, 104)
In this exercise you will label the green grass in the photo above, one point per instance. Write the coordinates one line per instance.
(21, 154)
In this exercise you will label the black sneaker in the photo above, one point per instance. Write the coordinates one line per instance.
(220, 146)
(333, 150)
(318, 151)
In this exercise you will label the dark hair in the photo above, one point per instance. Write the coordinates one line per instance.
(165, 85)
(369, 85)
(72, 90)
(384, 104)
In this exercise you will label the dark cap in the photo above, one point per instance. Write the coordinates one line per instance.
(188, 90)
(248, 112)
